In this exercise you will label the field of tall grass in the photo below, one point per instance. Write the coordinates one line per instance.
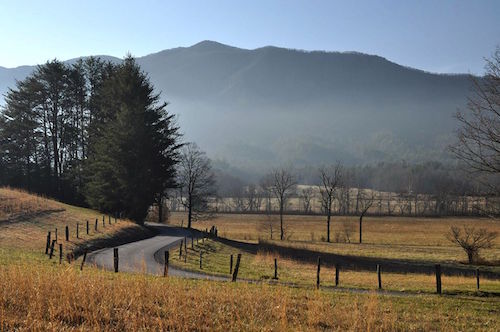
(260, 266)
(40, 294)
(61, 298)
(419, 239)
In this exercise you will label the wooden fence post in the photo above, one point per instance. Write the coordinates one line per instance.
(109, 220)
(67, 233)
(477, 279)
(201, 260)
(115, 256)
(231, 264)
(438, 278)
(275, 269)
(52, 248)
(83, 259)
(47, 245)
(60, 253)
(77, 230)
(56, 235)
(165, 263)
(379, 277)
(317, 273)
(87, 227)
(96, 224)
(180, 250)
(337, 268)
(185, 249)
(237, 267)
(103, 222)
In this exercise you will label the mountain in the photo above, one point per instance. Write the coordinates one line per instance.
(254, 109)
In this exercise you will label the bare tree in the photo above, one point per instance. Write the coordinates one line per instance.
(282, 186)
(366, 199)
(347, 230)
(472, 240)
(238, 199)
(266, 183)
(306, 196)
(331, 178)
(196, 181)
(478, 143)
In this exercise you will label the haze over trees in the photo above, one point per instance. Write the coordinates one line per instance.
(397, 113)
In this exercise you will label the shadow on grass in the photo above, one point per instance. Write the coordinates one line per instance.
(356, 263)
(123, 236)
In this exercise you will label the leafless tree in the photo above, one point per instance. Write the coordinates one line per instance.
(253, 198)
(238, 199)
(268, 225)
(282, 186)
(306, 195)
(347, 230)
(331, 178)
(196, 182)
(366, 199)
(472, 240)
(266, 183)
(478, 143)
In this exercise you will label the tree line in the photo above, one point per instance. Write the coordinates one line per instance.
(92, 133)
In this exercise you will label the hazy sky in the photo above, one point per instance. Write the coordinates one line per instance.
(438, 36)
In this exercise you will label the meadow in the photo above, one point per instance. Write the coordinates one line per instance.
(37, 293)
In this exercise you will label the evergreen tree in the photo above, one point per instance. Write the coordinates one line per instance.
(137, 149)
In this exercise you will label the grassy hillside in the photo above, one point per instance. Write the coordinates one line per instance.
(25, 220)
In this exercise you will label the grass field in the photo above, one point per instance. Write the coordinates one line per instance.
(260, 266)
(419, 239)
(40, 294)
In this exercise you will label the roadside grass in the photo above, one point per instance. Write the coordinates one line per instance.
(41, 296)
(260, 266)
(402, 238)
(26, 219)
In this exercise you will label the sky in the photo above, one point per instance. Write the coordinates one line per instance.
(438, 36)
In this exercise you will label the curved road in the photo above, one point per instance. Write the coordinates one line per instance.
(141, 256)
(146, 256)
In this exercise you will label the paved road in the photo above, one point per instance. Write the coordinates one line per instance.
(145, 255)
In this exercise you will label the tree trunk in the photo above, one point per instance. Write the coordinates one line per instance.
(160, 210)
(281, 220)
(329, 213)
(190, 213)
(361, 228)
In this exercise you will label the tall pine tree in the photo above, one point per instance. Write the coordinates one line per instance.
(134, 156)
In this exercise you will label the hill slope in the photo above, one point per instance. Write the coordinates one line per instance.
(258, 108)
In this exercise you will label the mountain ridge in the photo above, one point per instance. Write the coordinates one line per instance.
(258, 108)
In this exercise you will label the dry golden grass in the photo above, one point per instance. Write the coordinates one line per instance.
(27, 218)
(39, 294)
(216, 260)
(63, 298)
(422, 239)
